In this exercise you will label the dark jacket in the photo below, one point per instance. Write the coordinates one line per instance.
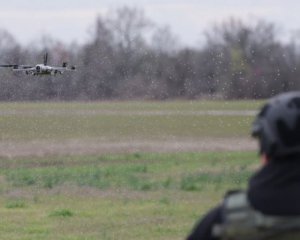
(274, 190)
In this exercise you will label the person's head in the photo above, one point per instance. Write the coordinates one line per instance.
(277, 127)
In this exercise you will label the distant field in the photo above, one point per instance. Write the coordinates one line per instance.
(119, 170)
(135, 105)
(136, 126)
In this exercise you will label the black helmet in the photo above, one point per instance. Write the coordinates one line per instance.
(277, 126)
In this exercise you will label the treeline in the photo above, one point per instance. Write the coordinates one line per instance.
(128, 57)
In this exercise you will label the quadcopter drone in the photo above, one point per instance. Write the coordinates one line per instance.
(39, 69)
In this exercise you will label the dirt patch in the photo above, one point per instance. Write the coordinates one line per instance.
(99, 146)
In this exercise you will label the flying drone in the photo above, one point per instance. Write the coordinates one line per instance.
(39, 69)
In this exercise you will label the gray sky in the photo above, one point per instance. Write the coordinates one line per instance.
(70, 20)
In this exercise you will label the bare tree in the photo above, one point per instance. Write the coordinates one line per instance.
(253, 54)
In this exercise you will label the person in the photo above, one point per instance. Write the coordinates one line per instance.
(270, 207)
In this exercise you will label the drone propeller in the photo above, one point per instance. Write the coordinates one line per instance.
(45, 58)
(9, 65)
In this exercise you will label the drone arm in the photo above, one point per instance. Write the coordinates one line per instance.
(9, 65)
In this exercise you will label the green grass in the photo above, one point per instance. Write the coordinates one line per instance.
(15, 204)
(61, 213)
(186, 171)
(141, 195)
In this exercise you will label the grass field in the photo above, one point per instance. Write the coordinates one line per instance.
(123, 193)
(151, 120)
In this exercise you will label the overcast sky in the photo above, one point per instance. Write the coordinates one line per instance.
(70, 20)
